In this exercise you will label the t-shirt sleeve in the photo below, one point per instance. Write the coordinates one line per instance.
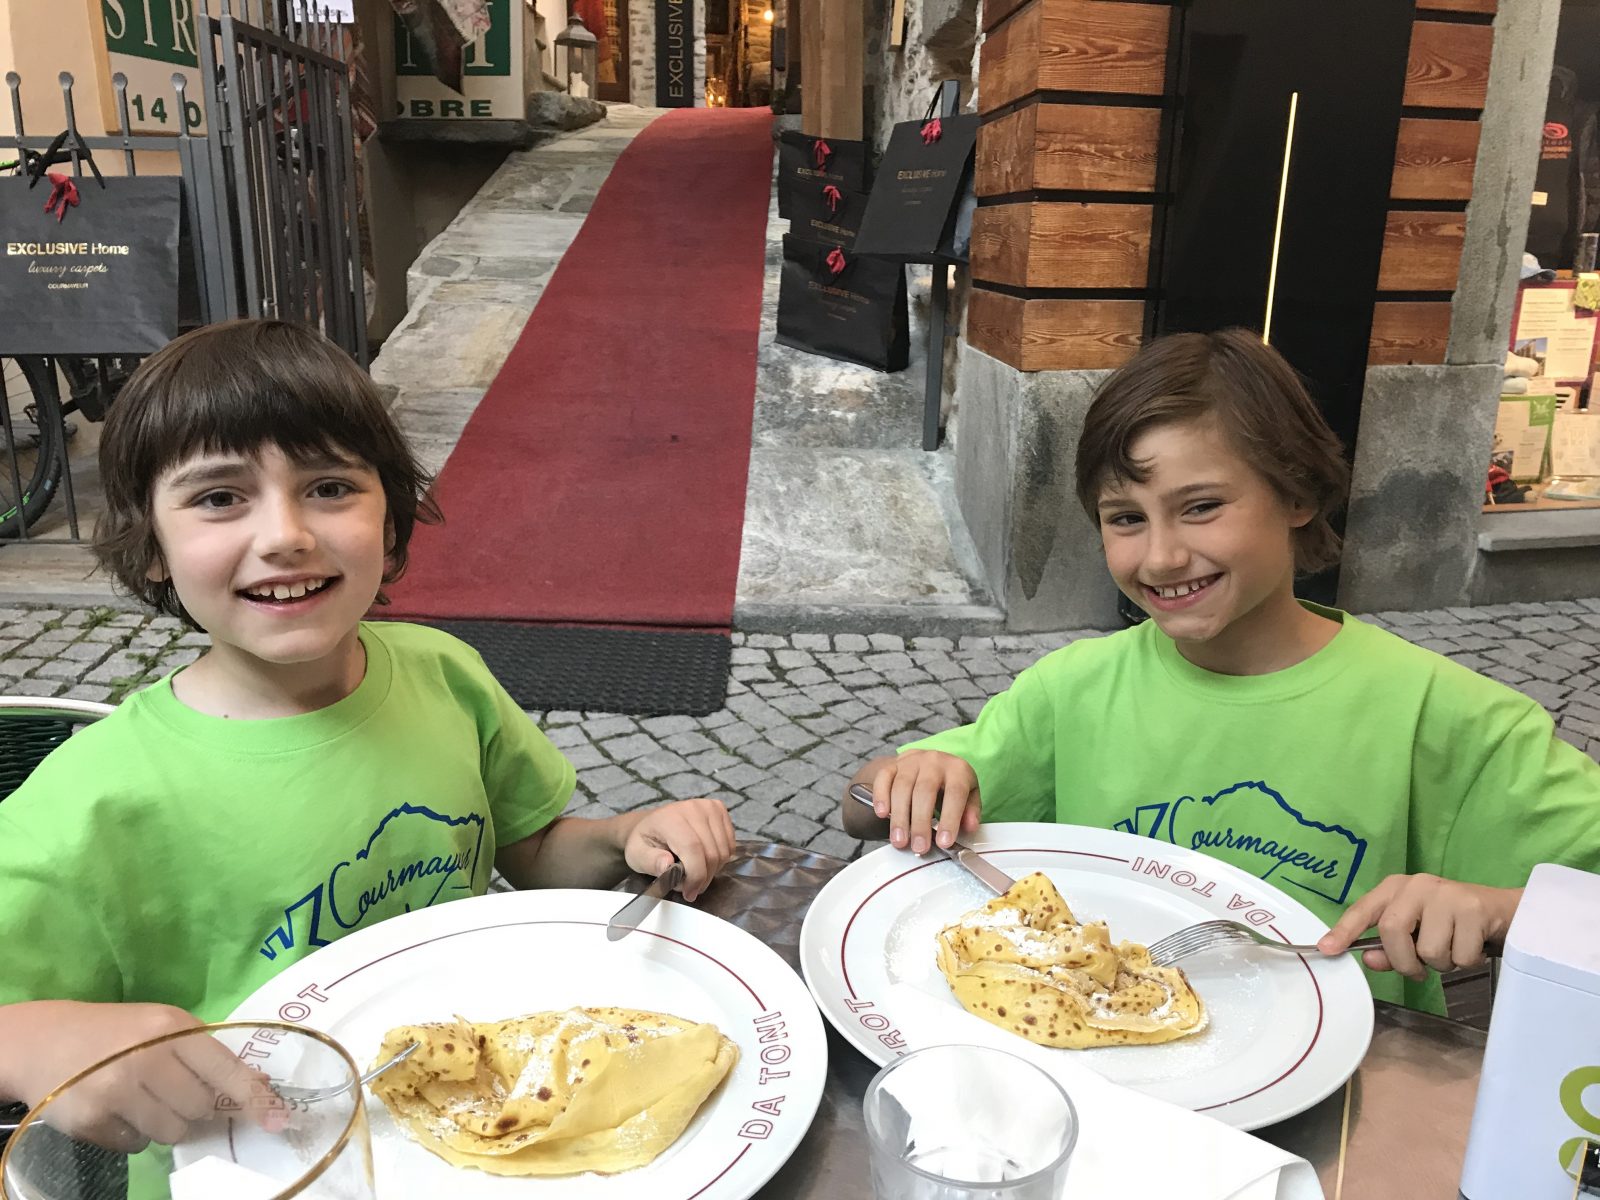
(53, 942)
(1535, 799)
(528, 780)
(1012, 749)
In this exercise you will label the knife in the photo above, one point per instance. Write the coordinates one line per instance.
(629, 916)
(991, 876)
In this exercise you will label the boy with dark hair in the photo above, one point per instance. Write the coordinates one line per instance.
(311, 773)
(1375, 781)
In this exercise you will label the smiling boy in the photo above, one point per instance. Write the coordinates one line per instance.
(311, 773)
(1376, 782)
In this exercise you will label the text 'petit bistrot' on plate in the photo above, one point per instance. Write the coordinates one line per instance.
(1024, 963)
(553, 1093)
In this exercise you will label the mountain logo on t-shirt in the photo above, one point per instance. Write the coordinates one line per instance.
(415, 858)
(1254, 827)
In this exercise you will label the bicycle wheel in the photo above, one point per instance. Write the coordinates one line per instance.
(34, 444)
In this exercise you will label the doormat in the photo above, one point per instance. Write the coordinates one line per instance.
(640, 673)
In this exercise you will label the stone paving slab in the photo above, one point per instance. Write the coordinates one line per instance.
(805, 709)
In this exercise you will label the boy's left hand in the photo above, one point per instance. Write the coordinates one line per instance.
(698, 832)
(1426, 922)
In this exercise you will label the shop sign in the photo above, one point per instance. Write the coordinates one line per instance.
(491, 72)
(675, 54)
(149, 41)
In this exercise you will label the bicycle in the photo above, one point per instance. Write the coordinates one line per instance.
(35, 432)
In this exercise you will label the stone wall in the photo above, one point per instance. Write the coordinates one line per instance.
(642, 48)
(941, 43)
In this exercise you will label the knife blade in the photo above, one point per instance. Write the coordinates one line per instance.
(628, 917)
(986, 873)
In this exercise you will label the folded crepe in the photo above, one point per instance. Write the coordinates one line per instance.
(553, 1093)
(1022, 962)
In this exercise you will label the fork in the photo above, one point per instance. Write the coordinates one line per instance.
(1213, 935)
(301, 1098)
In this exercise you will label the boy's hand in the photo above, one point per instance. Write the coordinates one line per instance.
(151, 1096)
(697, 831)
(906, 790)
(1426, 922)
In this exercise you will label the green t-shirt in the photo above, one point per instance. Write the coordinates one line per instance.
(1371, 758)
(165, 855)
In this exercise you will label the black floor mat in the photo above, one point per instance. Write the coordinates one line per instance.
(552, 668)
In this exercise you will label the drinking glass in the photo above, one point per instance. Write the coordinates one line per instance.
(968, 1123)
(195, 1115)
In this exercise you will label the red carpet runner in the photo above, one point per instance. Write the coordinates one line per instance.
(602, 478)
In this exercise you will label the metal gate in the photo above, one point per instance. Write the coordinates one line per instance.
(271, 200)
(274, 176)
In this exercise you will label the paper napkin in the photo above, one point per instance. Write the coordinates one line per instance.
(1207, 1159)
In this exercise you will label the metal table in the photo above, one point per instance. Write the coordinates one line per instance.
(1409, 1105)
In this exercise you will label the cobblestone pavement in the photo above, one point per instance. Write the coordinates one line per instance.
(804, 710)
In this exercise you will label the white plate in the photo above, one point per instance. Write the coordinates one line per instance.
(1285, 1030)
(507, 954)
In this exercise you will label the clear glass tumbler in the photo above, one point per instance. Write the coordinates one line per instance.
(200, 1115)
(968, 1123)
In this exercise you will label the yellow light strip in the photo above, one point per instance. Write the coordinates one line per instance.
(1277, 230)
(1344, 1138)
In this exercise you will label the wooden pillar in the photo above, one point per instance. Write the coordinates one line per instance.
(843, 69)
(810, 39)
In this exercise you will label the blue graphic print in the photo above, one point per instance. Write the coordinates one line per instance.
(375, 885)
(1264, 831)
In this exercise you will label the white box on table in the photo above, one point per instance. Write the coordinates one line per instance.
(1539, 1096)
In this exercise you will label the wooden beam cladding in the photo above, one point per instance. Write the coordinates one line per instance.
(1004, 161)
(1468, 6)
(1054, 335)
(1406, 332)
(1008, 67)
(1104, 46)
(1069, 147)
(1421, 251)
(1062, 245)
(1449, 65)
(994, 325)
(1433, 160)
(1075, 46)
(995, 11)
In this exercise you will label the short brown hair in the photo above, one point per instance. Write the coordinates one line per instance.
(1257, 401)
(233, 388)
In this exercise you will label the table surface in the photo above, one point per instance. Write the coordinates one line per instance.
(1410, 1103)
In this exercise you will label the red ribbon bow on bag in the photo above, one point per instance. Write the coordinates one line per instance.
(836, 261)
(823, 153)
(833, 196)
(63, 195)
(932, 131)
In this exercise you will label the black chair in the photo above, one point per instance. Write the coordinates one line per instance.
(30, 728)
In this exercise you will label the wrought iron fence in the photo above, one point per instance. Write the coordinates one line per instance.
(271, 199)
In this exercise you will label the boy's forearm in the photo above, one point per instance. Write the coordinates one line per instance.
(574, 852)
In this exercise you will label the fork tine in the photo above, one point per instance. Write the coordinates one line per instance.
(1195, 939)
(1186, 934)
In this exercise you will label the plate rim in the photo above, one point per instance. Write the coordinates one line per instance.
(781, 1150)
(869, 866)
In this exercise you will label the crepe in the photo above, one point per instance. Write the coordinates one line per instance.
(1022, 962)
(553, 1093)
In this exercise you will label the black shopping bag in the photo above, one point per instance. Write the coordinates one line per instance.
(836, 304)
(809, 164)
(827, 215)
(96, 277)
(921, 206)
